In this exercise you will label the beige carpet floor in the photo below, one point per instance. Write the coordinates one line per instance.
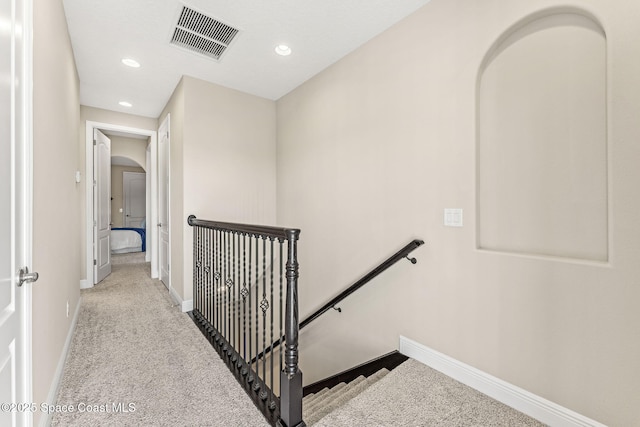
(137, 361)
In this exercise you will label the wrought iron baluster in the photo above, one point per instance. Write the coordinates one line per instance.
(271, 383)
(218, 279)
(244, 293)
(238, 300)
(215, 280)
(209, 258)
(225, 332)
(231, 285)
(212, 275)
(251, 378)
(200, 270)
(205, 274)
(264, 306)
(195, 269)
(256, 385)
(280, 316)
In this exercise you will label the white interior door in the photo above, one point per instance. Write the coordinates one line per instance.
(102, 206)
(15, 216)
(163, 202)
(135, 198)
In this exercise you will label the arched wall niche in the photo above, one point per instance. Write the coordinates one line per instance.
(541, 148)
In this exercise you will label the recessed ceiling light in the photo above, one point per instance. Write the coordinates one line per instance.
(283, 49)
(125, 104)
(131, 62)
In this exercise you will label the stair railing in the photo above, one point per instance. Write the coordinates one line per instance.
(239, 301)
(384, 265)
(332, 304)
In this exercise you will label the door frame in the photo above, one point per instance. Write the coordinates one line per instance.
(165, 125)
(152, 176)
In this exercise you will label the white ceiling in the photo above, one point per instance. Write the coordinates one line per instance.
(319, 32)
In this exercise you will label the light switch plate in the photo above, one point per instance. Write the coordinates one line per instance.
(453, 217)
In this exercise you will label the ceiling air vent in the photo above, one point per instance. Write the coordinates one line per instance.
(202, 34)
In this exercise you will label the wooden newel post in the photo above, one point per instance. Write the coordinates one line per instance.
(291, 377)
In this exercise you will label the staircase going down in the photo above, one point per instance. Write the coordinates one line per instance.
(410, 395)
(317, 405)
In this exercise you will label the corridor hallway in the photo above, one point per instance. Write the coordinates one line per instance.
(135, 360)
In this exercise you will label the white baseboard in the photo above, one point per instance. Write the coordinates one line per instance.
(184, 305)
(45, 419)
(528, 403)
(85, 284)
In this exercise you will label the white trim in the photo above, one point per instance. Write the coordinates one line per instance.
(84, 284)
(528, 403)
(89, 127)
(45, 419)
(184, 305)
(165, 126)
(147, 255)
(152, 243)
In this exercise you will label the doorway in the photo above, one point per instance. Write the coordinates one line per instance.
(151, 196)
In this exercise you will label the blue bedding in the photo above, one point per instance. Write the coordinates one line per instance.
(140, 231)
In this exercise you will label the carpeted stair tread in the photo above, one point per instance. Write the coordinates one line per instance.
(322, 401)
(308, 400)
(336, 399)
(322, 398)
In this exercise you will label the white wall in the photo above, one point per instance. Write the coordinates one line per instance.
(373, 149)
(56, 196)
(222, 164)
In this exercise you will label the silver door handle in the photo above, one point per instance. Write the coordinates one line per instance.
(159, 224)
(25, 276)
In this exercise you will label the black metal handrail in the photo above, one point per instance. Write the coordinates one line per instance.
(401, 254)
(261, 230)
(384, 265)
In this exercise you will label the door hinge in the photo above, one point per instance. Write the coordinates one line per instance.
(95, 262)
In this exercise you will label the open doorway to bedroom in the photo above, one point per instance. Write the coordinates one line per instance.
(128, 193)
